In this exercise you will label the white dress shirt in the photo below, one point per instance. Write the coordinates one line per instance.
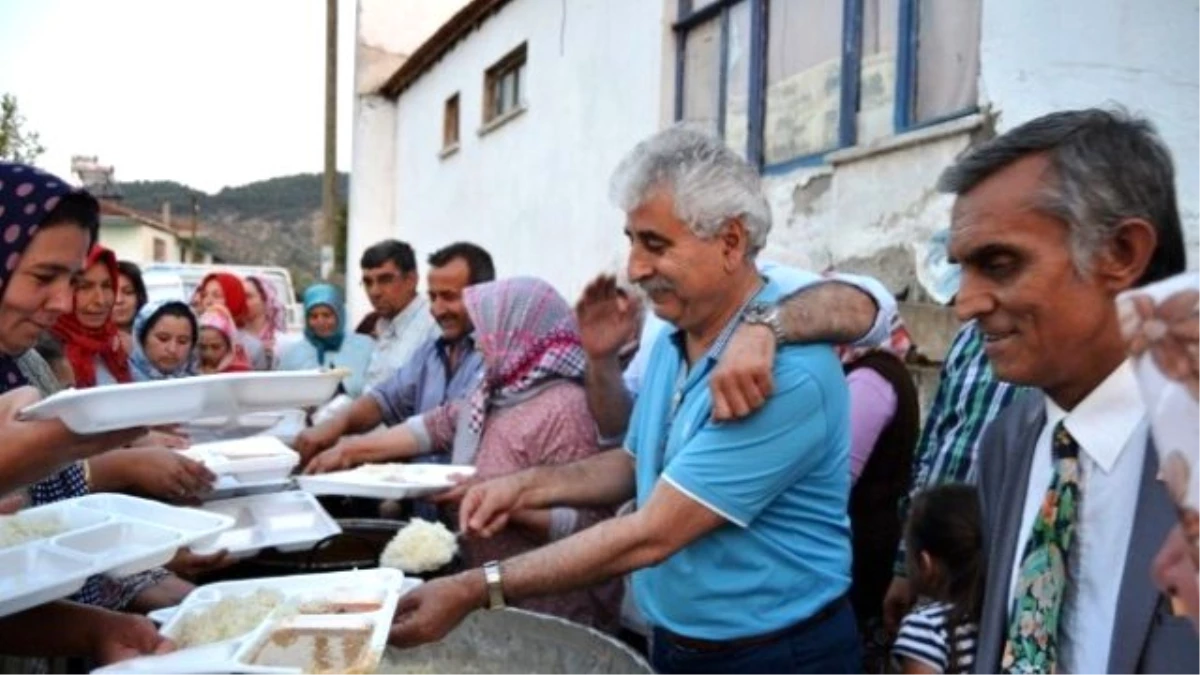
(398, 338)
(1110, 427)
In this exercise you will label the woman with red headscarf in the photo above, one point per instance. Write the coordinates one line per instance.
(90, 337)
(229, 291)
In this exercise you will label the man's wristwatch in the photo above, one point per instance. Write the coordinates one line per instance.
(495, 588)
(763, 314)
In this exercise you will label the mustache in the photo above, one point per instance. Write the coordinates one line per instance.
(653, 285)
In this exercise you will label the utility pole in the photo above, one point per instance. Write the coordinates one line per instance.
(329, 196)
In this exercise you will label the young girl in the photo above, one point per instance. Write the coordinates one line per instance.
(220, 349)
(946, 567)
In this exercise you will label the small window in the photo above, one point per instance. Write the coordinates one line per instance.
(160, 250)
(504, 86)
(450, 123)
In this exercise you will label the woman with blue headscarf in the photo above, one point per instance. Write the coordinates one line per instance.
(165, 335)
(326, 344)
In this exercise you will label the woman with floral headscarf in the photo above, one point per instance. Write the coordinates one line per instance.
(265, 316)
(46, 229)
(228, 291)
(529, 410)
(326, 344)
(89, 335)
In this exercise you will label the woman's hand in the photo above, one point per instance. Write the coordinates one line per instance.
(164, 474)
(189, 565)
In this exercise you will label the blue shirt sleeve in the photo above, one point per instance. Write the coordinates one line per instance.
(397, 395)
(737, 469)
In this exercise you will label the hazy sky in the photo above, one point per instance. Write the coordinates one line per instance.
(209, 93)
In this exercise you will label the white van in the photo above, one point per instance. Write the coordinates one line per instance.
(178, 281)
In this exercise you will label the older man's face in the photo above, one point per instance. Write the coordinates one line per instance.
(1042, 321)
(683, 275)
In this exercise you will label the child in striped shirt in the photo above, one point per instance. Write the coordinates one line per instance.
(946, 567)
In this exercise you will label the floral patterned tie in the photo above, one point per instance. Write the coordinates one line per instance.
(1032, 645)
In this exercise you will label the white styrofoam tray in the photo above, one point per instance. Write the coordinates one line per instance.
(288, 521)
(251, 460)
(228, 487)
(102, 533)
(302, 597)
(282, 424)
(161, 402)
(386, 481)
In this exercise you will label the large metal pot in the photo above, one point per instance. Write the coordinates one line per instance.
(516, 641)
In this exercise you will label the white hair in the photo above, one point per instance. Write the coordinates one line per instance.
(709, 183)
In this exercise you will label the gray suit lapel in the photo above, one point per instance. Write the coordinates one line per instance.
(1025, 422)
(1139, 597)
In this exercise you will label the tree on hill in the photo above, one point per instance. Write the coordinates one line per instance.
(17, 142)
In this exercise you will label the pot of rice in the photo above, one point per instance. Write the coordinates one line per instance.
(516, 641)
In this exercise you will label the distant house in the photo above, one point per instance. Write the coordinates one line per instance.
(144, 238)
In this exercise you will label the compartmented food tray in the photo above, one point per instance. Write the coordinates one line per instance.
(386, 481)
(49, 551)
(248, 460)
(288, 521)
(226, 395)
(335, 622)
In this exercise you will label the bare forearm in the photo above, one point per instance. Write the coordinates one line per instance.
(607, 550)
(109, 471)
(608, 400)
(364, 415)
(395, 444)
(832, 312)
(602, 480)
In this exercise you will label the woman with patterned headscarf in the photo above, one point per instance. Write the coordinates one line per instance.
(220, 350)
(266, 317)
(529, 410)
(46, 229)
(326, 344)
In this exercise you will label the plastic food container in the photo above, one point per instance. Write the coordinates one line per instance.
(386, 481)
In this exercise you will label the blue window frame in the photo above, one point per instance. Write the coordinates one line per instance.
(744, 69)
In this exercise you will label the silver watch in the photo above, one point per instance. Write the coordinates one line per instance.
(763, 314)
(495, 587)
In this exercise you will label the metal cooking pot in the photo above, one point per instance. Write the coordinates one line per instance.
(516, 641)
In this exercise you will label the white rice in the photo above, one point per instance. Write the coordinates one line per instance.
(229, 618)
(21, 528)
(420, 546)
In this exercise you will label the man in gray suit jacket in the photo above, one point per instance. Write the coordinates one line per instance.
(1053, 219)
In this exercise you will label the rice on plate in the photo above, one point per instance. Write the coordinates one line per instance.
(228, 618)
(420, 546)
(21, 528)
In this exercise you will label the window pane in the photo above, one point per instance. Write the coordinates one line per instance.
(701, 69)
(947, 57)
(804, 60)
(506, 87)
(697, 5)
(737, 78)
(518, 86)
(877, 74)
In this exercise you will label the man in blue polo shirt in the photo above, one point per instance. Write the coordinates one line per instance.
(740, 541)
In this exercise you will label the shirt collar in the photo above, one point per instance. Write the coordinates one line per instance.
(396, 324)
(1105, 419)
(679, 337)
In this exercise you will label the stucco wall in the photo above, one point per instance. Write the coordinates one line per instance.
(534, 190)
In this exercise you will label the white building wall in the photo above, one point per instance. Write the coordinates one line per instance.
(534, 191)
(386, 31)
